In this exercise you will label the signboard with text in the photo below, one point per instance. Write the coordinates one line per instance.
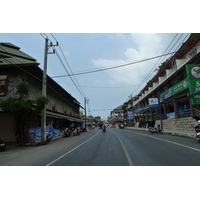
(153, 102)
(182, 85)
(193, 73)
(130, 115)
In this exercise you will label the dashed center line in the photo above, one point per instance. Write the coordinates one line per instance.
(125, 151)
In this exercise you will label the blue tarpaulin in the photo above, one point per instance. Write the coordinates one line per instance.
(35, 133)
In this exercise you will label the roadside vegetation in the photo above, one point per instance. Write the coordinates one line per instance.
(20, 107)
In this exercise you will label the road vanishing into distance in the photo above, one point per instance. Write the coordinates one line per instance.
(115, 147)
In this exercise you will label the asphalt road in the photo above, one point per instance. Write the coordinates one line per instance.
(115, 147)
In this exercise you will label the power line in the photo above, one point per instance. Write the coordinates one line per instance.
(79, 89)
(118, 66)
(17, 66)
(151, 71)
(42, 36)
(67, 72)
(162, 59)
(102, 109)
(100, 87)
(123, 65)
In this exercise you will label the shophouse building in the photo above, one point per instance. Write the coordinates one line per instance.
(16, 66)
(171, 98)
(117, 114)
(128, 111)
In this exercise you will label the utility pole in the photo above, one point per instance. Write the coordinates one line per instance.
(160, 110)
(132, 110)
(44, 89)
(85, 113)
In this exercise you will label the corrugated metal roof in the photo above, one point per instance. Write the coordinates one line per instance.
(11, 54)
(62, 116)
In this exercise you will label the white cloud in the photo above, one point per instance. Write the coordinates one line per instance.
(148, 45)
(66, 53)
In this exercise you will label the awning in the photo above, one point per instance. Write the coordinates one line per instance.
(62, 116)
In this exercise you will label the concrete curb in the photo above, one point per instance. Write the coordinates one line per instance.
(181, 133)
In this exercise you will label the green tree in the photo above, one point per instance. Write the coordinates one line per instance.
(162, 65)
(21, 107)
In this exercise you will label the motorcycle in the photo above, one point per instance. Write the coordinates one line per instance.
(121, 126)
(67, 133)
(2, 145)
(75, 132)
(156, 130)
(48, 137)
(197, 130)
(151, 129)
(104, 129)
(198, 136)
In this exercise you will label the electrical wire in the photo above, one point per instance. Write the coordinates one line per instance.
(163, 58)
(103, 109)
(70, 76)
(10, 62)
(153, 68)
(89, 111)
(109, 68)
(164, 54)
(99, 87)
(95, 71)
(78, 87)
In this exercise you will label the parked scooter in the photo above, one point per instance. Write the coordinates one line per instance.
(197, 130)
(156, 130)
(48, 137)
(2, 145)
(151, 129)
(67, 132)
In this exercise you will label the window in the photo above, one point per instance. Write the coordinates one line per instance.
(3, 85)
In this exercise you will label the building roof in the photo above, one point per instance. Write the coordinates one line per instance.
(118, 109)
(11, 54)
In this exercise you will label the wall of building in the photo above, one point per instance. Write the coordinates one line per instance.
(56, 102)
(6, 128)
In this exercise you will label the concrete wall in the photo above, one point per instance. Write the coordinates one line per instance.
(185, 124)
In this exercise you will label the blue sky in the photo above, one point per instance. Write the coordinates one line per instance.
(108, 89)
(95, 35)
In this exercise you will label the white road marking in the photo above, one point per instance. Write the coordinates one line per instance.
(167, 141)
(71, 150)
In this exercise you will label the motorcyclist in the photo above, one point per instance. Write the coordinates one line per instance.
(104, 128)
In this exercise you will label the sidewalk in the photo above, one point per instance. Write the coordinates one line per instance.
(182, 133)
(10, 147)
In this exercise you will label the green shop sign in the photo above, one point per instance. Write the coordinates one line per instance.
(193, 73)
(182, 85)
